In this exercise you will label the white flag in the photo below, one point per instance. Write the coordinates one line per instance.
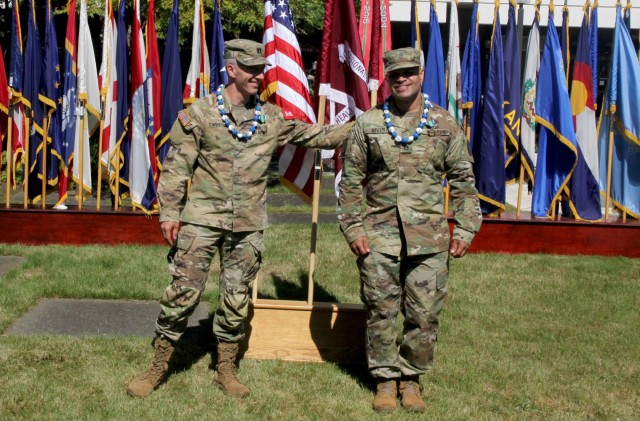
(528, 124)
(454, 82)
(89, 93)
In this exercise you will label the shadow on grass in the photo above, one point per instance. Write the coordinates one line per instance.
(194, 344)
(336, 337)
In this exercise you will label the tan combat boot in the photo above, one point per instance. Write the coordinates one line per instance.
(386, 394)
(146, 382)
(226, 377)
(411, 396)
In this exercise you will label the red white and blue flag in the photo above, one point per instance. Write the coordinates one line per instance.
(108, 80)
(285, 83)
(154, 87)
(141, 177)
(197, 84)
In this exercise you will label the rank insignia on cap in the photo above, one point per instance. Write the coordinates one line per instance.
(184, 118)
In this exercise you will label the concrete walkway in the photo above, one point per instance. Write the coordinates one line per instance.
(9, 262)
(96, 318)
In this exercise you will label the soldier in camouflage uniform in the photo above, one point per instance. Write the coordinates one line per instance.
(402, 149)
(223, 143)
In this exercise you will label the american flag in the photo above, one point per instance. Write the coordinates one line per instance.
(285, 84)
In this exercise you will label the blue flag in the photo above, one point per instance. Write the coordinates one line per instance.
(488, 151)
(33, 62)
(50, 91)
(123, 142)
(564, 40)
(171, 85)
(218, 71)
(64, 144)
(512, 97)
(626, 15)
(472, 75)
(16, 62)
(434, 81)
(585, 191)
(557, 151)
(622, 102)
(593, 46)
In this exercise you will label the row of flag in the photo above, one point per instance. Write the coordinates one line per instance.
(537, 130)
(52, 126)
(129, 104)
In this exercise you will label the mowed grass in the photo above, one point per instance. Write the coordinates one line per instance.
(522, 337)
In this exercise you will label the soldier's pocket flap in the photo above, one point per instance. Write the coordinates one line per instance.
(185, 240)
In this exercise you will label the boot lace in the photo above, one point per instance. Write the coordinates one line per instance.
(410, 387)
(386, 388)
(159, 364)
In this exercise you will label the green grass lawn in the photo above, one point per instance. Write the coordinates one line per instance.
(523, 337)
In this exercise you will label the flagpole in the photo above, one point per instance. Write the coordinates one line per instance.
(25, 181)
(117, 183)
(467, 125)
(315, 204)
(374, 98)
(446, 200)
(520, 182)
(45, 131)
(609, 169)
(80, 185)
(9, 152)
(99, 187)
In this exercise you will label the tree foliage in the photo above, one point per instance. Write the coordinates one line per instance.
(239, 17)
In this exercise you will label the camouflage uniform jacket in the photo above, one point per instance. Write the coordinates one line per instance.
(404, 195)
(229, 176)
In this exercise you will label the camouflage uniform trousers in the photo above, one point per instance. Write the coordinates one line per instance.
(415, 285)
(240, 257)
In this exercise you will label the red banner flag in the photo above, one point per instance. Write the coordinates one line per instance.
(342, 75)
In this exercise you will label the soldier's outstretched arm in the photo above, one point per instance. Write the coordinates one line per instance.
(299, 133)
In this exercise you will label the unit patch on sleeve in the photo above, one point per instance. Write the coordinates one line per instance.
(184, 118)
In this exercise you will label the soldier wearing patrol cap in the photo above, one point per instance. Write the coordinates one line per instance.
(404, 148)
(223, 144)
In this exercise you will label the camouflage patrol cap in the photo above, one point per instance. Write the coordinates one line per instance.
(401, 58)
(247, 52)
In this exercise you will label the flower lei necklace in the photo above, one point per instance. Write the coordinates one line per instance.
(232, 129)
(423, 122)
